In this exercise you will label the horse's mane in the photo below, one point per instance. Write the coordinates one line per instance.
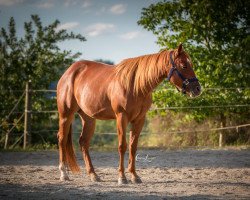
(143, 72)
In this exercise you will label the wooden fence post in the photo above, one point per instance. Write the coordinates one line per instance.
(222, 132)
(6, 140)
(27, 115)
(221, 143)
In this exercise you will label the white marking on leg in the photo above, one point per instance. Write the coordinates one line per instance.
(64, 175)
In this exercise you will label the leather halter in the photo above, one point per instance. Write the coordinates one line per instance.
(186, 81)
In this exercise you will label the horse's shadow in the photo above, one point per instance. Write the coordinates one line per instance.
(64, 192)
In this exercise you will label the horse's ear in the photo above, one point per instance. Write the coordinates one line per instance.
(180, 49)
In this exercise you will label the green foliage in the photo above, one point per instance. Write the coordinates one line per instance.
(217, 41)
(35, 56)
(216, 35)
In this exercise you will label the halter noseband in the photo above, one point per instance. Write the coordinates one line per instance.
(186, 81)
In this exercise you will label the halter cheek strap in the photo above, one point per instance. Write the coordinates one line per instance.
(186, 81)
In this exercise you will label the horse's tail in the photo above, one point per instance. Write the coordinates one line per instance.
(70, 154)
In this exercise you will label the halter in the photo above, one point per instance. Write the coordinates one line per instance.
(185, 82)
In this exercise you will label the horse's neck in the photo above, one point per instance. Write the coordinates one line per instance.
(164, 73)
(161, 78)
(153, 86)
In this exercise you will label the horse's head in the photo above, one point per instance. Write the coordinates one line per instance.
(181, 73)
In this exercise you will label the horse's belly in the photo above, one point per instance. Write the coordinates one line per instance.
(98, 108)
(104, 114)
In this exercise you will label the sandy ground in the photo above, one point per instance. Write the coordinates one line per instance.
(182, 174)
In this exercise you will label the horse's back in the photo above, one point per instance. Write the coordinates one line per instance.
(83, 68)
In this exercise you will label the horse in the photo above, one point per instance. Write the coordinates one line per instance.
(122, 92)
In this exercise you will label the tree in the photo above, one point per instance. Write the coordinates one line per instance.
(35, 56)
(216, 35)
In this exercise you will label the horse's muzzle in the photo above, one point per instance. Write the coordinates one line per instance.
(194, 89)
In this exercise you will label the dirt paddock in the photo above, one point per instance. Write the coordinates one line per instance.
(176, 174)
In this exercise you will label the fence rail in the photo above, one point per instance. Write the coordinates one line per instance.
(28, 111)
(152, 109)
(169, 132)
(165, 89)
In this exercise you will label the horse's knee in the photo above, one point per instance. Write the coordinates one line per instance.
(133, 150)
(122, 147)
(61, 139)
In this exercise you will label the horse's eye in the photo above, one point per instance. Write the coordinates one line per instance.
(183, 66)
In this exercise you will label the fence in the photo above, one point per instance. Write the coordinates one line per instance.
(26, 115)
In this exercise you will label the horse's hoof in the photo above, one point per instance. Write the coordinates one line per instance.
(64, 178)
(122, 180)
(136, 180)
(94, 178)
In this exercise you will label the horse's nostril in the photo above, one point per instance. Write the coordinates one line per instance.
(198, 88)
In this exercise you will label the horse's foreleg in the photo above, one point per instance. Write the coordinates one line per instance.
(134, 136)
(88, 128)
(122, 122)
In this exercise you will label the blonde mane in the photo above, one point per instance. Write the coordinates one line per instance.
(143, 72)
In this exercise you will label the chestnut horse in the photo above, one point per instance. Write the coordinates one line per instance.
(122, 92)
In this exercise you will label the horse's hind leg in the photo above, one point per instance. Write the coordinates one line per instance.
(66, 151)
(88, 128)
(63, 134)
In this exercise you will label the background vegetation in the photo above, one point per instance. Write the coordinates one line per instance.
(216, 35)
(35, 57)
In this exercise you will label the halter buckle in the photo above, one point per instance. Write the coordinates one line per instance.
(186, 82)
